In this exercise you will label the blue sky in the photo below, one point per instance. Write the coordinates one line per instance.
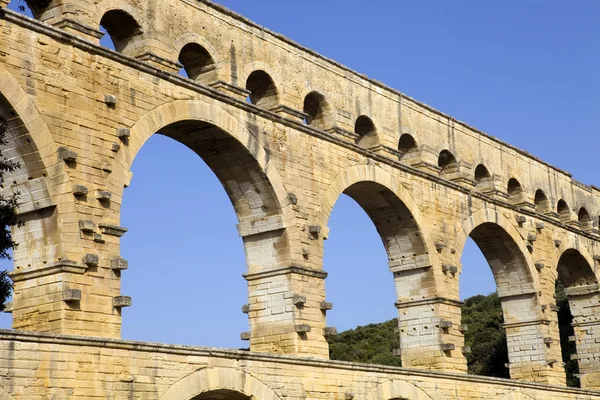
(525, 71)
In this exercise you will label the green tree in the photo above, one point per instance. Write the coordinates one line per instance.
(8, 216)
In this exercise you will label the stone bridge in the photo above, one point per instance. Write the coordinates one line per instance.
(286, 131)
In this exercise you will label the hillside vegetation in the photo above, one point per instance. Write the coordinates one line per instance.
(375, 343)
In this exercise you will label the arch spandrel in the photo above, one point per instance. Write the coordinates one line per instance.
(206, 380)
(397, 389)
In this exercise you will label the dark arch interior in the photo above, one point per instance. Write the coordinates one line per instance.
(247, 186)
(122, 29)
(447, 161)
(314, 108)
(584, 217)
(197, 62)
(514, 187)
(541, 201)
(505, 258)
(366, 131)
(407, 143)
(263, 91)
(38, 8)
(222, 394)
(574, 270)
(563, 210)
(481, 173)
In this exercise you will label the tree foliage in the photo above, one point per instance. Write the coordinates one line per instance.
(375, 343)
(8, 216)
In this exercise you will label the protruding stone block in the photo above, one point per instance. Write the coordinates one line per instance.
(329, 331)
(91, 260)
(8, 307)
(448, 346)
(106, 167)
(573, 356)
(123, 133)
(103, 195)
(293, 198)
(326, 306)
(67, 155)
(110, 100)
(463, 327)
(439, 246)
(349, 396)
(551, 361)
(557, 242)
(445, 324)
(572, 338)
(531, 237)
(87, 226)
(548, 340)
(521, 219)
(113, 230)
(121, 301)
(80, 190)
(115, 147)
(305, 251)
(314, 229)
(539, 226)
(245, 336)
(539, 266)
(119, 264)
(71, 295)
(466, 350)
(302, 328)
(299, 300)
(397, 352)
(246, 308)
(449, 268)
(98, 238)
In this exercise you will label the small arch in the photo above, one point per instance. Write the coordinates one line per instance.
(562, 208)
(447, 162)
(541, 201)
(203, 383)
(197, 62)
(315, 107)
(407, 144)
(397, 389)
(481, 173)
(366, 131)
(584, 218)
(122, 29)
(263, 91)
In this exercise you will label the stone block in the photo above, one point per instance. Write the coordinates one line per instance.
(329, 331)
(80, 190)
(8, 307)
(463, 327)
(87, 226)
(103, 195)
(66, 155)
(115, 147)
(397, 352)
(123, 133)
(113, 230)
(246, 308)
(548, 340)
(110, 100)
(539, 266)
(121, 301)
(325, 306)
(299, 300)
(445, 324)
(119, 264)
(314, 229)
(302, 328)
(71, 295)
(439, 246)
(521, 219)
(447, 346)
(245, 336)
(466, 350)
(539, 226)
(98, 238)
(91, 260)
(531, 237)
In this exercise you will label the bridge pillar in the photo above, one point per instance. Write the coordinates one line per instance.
(585, 308)
(533, 351)
(430, 336)
(286, 312)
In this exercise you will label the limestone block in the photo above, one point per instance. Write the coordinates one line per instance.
(91, 260)
(71, 295)
(119, 264)
(121, 301)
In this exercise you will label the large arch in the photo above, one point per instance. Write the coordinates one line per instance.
(396, 389)
(189, 112)
(206, 380)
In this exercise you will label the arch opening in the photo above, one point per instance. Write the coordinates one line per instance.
(514, 189)
(485, 314)
(263, 91)
(198, 64)
(404, 247)
(315, 109)
(407, 144)
(222, 394)
(447, 162)
(584, 219)
(122, 29)
(203, 242)
(562, 208)
(541, 201)
(366, 131)
(482, 174)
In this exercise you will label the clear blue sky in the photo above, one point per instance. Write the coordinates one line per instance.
(524, 71)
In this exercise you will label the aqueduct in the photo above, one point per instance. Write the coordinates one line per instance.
(286, 131)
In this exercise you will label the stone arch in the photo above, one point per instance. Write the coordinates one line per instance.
(366, 130)
(388, 188)
(4, 395)
(217, 379)
(108, 5)
(328, 117)
(192, 37)
(185, 120)
(397, 389)
(123, 24)
(263, 90)
(261, 66)
(490, 216)
(517, 396)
